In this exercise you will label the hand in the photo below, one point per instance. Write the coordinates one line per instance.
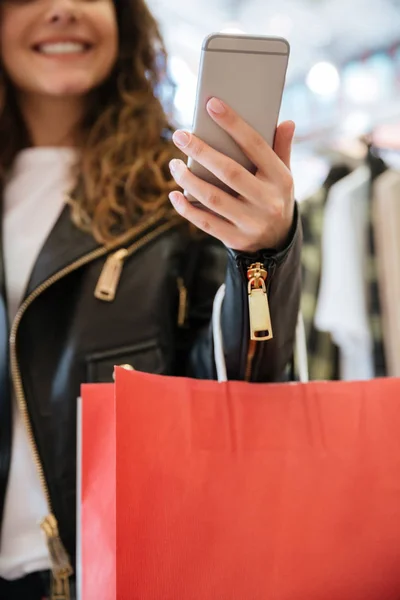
(261, 215)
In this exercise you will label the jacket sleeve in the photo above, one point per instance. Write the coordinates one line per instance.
(213, 265)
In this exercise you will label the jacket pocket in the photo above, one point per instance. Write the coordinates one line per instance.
(146, 357)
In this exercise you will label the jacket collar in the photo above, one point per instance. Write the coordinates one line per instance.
(67, 244)
(5, 392)
(64, 245)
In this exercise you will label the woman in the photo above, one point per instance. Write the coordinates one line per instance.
(109, 273)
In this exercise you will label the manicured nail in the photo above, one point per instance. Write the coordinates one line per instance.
(174, 197)
(216, 106)
(176, 166)
(181, 138)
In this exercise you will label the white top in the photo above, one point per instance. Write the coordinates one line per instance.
(386, 222)
(342, 307)
(33, 200)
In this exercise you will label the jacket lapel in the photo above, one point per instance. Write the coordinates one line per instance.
(65, 244)
(5, 392)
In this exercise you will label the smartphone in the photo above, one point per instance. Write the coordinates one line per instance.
(248, 73)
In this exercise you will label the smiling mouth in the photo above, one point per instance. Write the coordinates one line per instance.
(62, 48)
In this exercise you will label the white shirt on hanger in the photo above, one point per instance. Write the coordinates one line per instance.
(342, 307)
(386, 221)
(33, 200)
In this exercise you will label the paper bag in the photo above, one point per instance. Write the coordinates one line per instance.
(198, 490)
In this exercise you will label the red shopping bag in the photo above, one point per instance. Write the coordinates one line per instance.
(194, 490)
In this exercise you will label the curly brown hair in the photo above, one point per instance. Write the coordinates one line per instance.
(123, 174)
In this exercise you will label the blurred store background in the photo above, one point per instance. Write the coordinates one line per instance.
(344, 73)
(343, 92)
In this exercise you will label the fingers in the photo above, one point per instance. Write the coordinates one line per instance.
(204, 220)
(221, 203)
(261, 215)
(225, 169)
(250, 141)
(283, 142)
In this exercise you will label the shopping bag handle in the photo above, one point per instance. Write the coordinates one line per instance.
(219, 357)
(301, 357)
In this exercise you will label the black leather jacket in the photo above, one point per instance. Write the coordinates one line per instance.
(64, 335)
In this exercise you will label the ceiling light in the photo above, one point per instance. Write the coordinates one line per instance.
(324, 79)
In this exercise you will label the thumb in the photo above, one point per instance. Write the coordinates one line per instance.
(283, 141)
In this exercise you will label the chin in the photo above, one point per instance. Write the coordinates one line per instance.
(71, 92)
(68, 88)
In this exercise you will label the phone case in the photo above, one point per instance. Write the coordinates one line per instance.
(248, 73)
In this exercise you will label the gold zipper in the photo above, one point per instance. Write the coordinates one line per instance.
(183, 302)
(60, 589)
(108, 282)
(259, 312)
(260, 317)
(110, 275)
(61, 565)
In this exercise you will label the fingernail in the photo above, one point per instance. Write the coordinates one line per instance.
(181, 138)
(216, 106)
(176, 166)
(173, 196)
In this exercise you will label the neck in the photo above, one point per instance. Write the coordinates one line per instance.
(52, 122)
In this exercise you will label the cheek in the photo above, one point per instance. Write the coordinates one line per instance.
(110, 54)
(9, 48)
(110, 41)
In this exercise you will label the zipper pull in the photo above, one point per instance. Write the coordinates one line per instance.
(183, 302)
(107, 285)
(60, 563)
(260, 317)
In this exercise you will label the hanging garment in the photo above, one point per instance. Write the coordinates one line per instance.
(342, 308)
(322, 352)
(386, 221)
(377, 167)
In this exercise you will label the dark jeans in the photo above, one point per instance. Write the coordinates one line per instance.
(32, 587)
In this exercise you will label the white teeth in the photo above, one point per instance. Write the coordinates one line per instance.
(62, 48)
